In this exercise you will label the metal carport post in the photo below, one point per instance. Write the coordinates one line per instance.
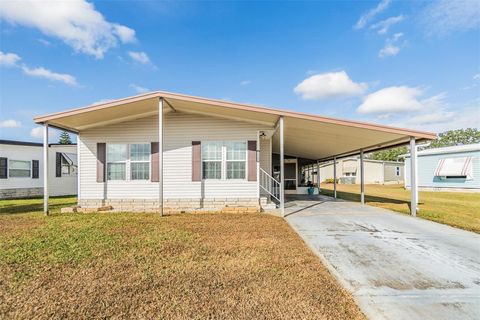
(45, 168)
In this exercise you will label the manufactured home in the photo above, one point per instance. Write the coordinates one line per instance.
(455, 168)
(376, 171)
(171, 152)
(22, 169)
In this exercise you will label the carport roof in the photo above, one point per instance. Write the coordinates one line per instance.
(306, 135)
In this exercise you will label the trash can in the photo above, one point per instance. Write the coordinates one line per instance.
(311, 191)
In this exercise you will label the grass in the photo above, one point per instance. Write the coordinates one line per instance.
(461, 210)
(126, 265)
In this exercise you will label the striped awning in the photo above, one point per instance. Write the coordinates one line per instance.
(454, 167)
(70, 158)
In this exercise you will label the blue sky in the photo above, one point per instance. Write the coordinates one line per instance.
(408, 64)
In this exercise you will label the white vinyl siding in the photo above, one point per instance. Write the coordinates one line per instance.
(266, 155)
(180, 130)
(19, 169)
(58, 186)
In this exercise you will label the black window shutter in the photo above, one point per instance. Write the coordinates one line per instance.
(58, 165)
(3, 168)
(35, 167)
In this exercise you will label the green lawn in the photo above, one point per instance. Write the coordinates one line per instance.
(457, 209)
(132, 265)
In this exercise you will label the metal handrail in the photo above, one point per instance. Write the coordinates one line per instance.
(270, 184)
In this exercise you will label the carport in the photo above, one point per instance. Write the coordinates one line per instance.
(294, 134)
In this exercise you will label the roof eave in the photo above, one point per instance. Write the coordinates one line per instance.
(228, 104)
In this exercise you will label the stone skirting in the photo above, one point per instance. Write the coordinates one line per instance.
(20, 193)
(176, 205)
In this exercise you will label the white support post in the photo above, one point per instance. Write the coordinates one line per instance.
(79, 195)
(362, 179)
(45, 168)
(335, 177)
(416, 175)
(160, 156)
(282, 169)
(318, 176)
(413, 178)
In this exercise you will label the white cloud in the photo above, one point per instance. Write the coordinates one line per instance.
(101, 101)
(75, 22)
(141, 57)
(10, 123)
(44, 42)
(41, 72)
(440, 116)
(391, 48)
(476, 77)
(245, 82)
(446, 16)
(391, 100)
(436, 101)
(442, 120)
(328, 85)
(138, 88)
(37, 132)
(367, 17)
(384, 25)
(8, 59)
(125, 34)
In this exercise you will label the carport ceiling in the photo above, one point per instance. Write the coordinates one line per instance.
(308, 136)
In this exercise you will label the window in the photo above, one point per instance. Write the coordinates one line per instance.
(212, 160)
(236, 159)
(397, 171)
(19, 169)
(69, 164)
(227, 160)
(128, 162)
(455, 168)
(140, 161)
(116, 161)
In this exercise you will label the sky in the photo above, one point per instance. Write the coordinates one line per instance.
(401, 63)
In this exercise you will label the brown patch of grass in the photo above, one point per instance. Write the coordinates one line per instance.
(123, 265)
(457, 209)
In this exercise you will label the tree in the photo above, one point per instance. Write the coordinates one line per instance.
(389, 154)
(456, 137)
(445, 139)
(65, 138)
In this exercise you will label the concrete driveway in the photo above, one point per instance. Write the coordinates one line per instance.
(396, 266)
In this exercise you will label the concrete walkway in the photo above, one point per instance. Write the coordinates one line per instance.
(396, 266)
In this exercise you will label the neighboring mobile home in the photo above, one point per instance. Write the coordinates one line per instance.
(376, 171)
(166, 151)
(21, 169)
(454, 168)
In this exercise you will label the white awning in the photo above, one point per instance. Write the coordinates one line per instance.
(455, 167)
(70, 158)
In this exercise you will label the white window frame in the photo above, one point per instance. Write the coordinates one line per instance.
(9, 168)
(202, 144)
(107, 161)
(224, 161)
(130, 162)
